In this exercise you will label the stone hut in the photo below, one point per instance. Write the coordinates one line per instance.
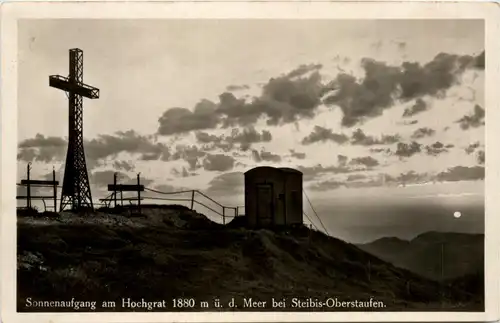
(273, 197)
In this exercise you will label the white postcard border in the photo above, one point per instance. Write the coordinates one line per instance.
(13, 11)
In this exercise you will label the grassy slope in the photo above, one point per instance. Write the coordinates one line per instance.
(178, 253)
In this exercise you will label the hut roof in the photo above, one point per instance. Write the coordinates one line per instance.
(290, 170)
(283, 169)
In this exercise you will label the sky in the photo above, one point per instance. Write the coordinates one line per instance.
(390, 111)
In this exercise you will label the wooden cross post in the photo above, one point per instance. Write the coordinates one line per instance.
(139, 193)
(55, 188)
(114, 192)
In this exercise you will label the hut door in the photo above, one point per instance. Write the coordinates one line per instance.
(264, 204)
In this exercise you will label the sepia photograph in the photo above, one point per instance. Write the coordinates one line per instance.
(250, 165)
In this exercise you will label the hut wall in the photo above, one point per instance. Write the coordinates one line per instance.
(294, 202)
(263, 187)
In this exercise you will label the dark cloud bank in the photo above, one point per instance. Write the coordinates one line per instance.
(358, 137)
(453, 174)
(298, 94)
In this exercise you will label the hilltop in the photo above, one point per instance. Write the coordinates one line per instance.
(172, 251)
(463, 254)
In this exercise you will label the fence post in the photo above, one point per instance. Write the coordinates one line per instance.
(55, 188)
(28, 187)
(114, 191)
(138, 193)
(223, 215)
(236, 211)
(192, 199)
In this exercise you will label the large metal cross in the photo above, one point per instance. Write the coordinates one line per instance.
(76, 187)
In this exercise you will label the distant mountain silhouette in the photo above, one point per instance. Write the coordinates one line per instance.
(436, 255)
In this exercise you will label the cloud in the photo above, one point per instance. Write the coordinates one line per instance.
(412, 177)
(461, 173)
(226, 184)
(297, 94)
(353, 181)
(423, 132)
(189, 153)
(320, 134)
(144, 181)
(104, 177)
(360, 138)
(304, 69)
(297, 155)
(125, 141)
(211, 142)
(43, 149)
(206, 138)
(379, 180)
(180, 120)
(412, 122)
(342, 160)
(480, 157)
(284, 99)
(249, 136)
(436, 148)
(419, 106)
(367, 161)
(472, 147)
(265, 156)
(237, 87)
(479, 61)
(401, 45)
(123, 165)
(27, 154)
(377, 45)
(369, 97)
(166, 188)
(326, 185)
(383, 85)
(407, 149)
(474, 120)
(245, 138)
(313, 172)
(182, 173)
(355, 177)
(436, 76)
(218, 162)
(97, 150)
(42, 141)
(380, 150)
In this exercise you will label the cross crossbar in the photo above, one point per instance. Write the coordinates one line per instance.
(64, 83)
(125, 187)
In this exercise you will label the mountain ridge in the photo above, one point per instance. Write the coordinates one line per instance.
(170, 252)
(433, 254)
